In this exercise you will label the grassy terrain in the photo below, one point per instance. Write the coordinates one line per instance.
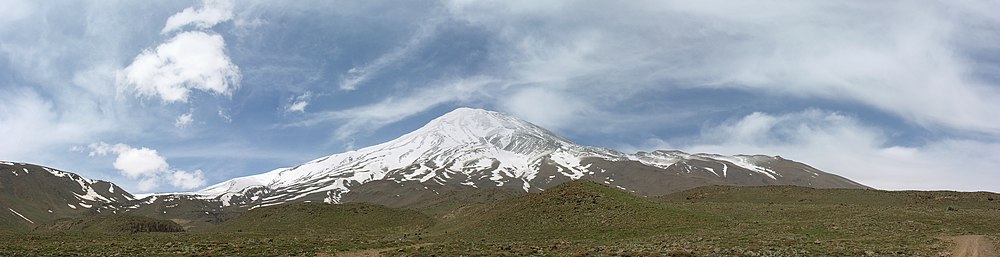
(353, 219)
(120, 223)
(579, 218)
(578, 210)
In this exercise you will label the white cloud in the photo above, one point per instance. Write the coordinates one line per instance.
(212, 12)
(841, 145)
(14, 10)
(134, 162)
(190, 60)
(911, 59)
(547, 108)
(32, 125)
(298, 106)
(187, 180)
(148, 184)
(299, 103)
(147, 165)
(184, 120)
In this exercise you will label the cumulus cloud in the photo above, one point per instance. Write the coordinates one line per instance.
(212, 12)
(184, 120)
(134, 162)
(147, 165)
(187, 180)
(840, 144)
(190, 60)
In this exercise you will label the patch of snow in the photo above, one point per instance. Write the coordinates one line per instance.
(572, 163)
(71, 206)
(747, 162)
(659, 159)
(713, 171)
(258, 206)
(19, 215)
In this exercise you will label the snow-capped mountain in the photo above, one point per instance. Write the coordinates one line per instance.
(479, 148)
(32, 194)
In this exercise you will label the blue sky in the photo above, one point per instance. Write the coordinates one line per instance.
(175, 95)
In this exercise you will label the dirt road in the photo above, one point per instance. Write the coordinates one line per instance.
(972, 246)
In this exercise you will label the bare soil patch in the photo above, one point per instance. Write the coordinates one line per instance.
(972, 246)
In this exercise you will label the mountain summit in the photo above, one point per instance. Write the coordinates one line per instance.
(479, 148)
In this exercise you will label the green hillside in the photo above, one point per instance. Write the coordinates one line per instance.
(120, 223)
(575, 218)
(320, 218)
(574, 210)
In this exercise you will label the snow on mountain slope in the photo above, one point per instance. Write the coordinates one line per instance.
(40, 194)
(475, 148)
(664, 159)
(462, 141)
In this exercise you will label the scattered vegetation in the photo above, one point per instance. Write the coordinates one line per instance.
(120, 223)
(576, 218)
(574, 210)
(351, 219)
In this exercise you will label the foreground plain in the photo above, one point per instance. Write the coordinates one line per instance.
(576, 218)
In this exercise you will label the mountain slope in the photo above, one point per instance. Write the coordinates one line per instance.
(318, 218)
(485, 149)
(573, 210)
(32, 195)
(115, 223)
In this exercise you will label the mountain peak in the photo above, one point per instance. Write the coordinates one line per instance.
(476, 147)
(472, 125)
(466, 112)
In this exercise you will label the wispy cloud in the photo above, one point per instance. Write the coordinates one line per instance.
(225, 116)
(900, 57)
(373, 116)
(360, 74)
(212, 12)
(841, 144)
(15, 10)
(184, 120)
(299, 103)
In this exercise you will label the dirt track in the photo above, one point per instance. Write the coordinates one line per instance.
(972, 246)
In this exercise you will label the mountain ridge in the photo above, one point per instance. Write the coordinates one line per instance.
(453, 155)
(32, 194)
(476, 148)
